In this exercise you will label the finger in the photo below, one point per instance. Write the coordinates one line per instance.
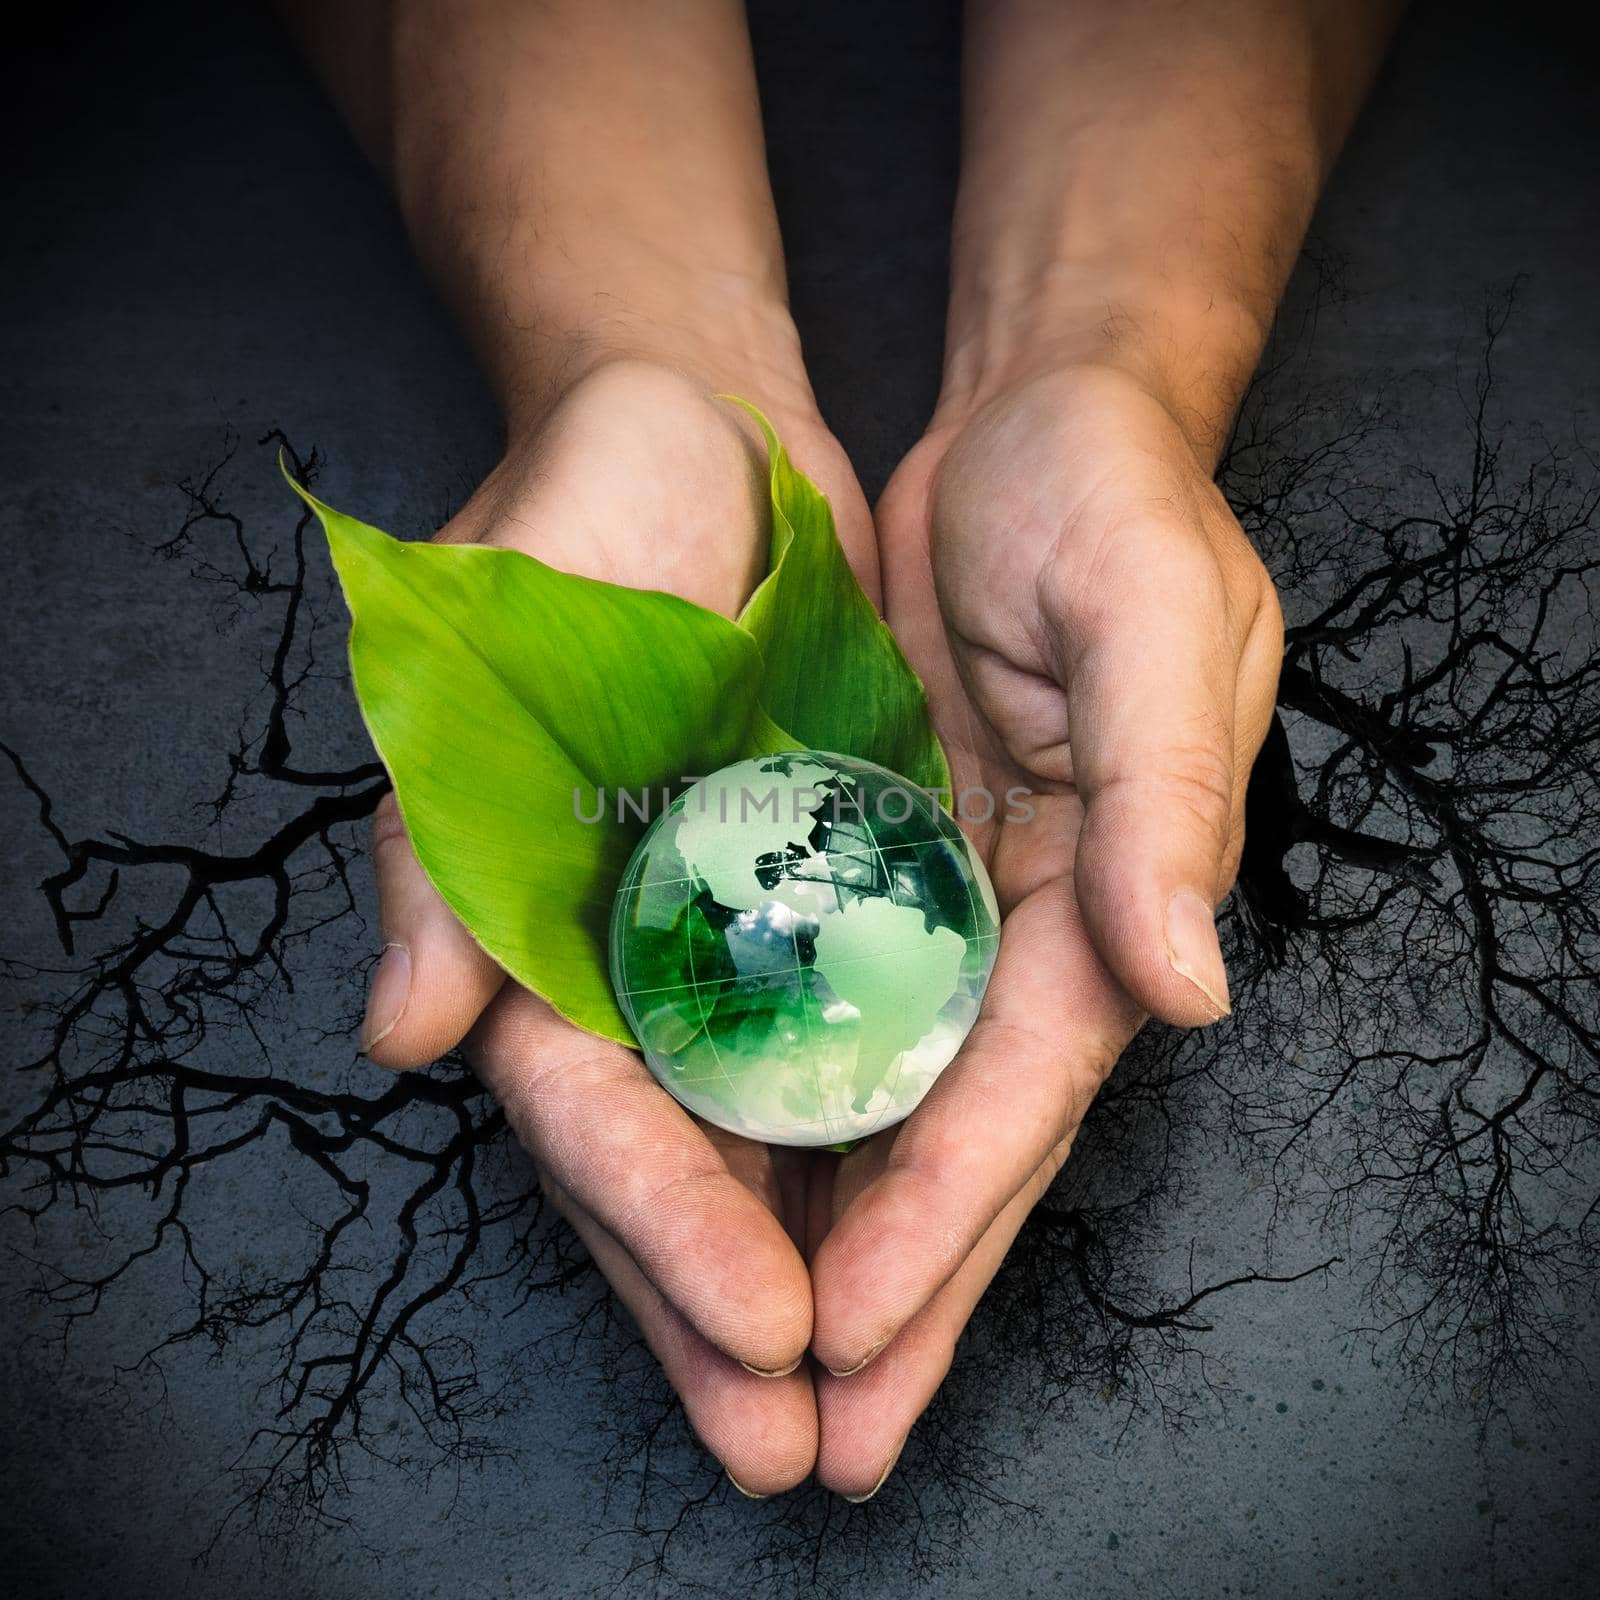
(1255, 705)
(763, 1430)
(1053, 1023)
(777, 1175)
(591, 1115)
(798, 1172)
(433, 980)
(864, 1419)
(1150, 657)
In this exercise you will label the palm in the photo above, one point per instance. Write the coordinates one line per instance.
(1003, 724)
(1076, 599)
(917, 1226)
(602, 467)
(639, 477)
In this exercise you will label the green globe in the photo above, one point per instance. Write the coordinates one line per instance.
(800, 944)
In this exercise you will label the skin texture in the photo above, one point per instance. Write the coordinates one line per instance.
(586, 182)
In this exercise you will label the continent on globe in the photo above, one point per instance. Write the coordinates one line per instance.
(800, 944)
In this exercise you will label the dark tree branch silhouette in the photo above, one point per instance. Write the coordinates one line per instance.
(1433, 962)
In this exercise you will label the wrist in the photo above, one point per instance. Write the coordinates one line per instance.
(1192, 350)
(711, 333)
(545, 299)
(721, 331)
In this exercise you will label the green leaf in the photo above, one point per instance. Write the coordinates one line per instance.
(493, 687)
(835, 675)
(501, 694)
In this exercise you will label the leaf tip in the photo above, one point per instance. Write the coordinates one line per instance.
(325, 514)
(768, 432)
(344, 534)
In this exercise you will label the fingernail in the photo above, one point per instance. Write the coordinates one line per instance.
(774, 1372)
(740, 1487)
(1193, 951)
(883, 1478)
(845, 1372)
(386, 999)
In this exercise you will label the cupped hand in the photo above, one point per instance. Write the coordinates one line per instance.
(1091, 625)
(639, 477)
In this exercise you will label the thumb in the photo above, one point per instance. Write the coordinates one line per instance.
(433, 980)
(1152, 674)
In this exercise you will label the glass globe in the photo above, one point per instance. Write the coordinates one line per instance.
(800, 944)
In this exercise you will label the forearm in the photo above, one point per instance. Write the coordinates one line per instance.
(579, 176)
(1136, 182)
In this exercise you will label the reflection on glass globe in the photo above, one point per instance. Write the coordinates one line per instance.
(800, 944)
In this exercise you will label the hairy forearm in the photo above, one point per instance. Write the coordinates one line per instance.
(1137, 177)
(577, 175)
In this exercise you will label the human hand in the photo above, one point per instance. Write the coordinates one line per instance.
(638, 477)
(1092, 624)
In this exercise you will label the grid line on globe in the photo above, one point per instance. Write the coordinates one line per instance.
(694, 984)
(802, 977)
